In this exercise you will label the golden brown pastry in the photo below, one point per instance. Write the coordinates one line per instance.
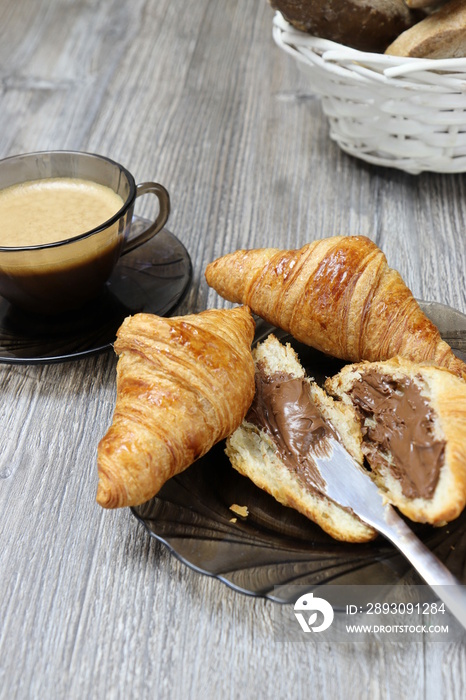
(274, 446)
(367, 25)
(183, 384)
(338, 295)
(413, 433)
(441, 35)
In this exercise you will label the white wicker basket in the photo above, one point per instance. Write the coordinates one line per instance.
(406, 113)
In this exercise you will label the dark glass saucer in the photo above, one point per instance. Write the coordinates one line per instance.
(274, 549)
(153, 278)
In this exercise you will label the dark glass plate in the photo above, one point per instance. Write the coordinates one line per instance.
(153, 278)
(275, 548)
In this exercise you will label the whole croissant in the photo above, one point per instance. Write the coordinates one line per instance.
(338, 295)
(183, 384)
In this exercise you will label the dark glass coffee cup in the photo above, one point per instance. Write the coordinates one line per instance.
(64, 275)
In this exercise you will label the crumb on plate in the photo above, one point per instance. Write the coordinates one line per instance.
(240, 510)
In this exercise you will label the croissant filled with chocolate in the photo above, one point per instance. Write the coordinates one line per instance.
(183, 384)
(338, 295)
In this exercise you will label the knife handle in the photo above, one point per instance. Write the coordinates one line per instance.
(440, 579)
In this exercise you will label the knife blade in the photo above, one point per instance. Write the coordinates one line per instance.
(351, 486)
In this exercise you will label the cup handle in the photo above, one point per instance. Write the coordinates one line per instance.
(164, 211)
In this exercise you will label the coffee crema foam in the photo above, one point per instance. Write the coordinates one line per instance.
(38, 212)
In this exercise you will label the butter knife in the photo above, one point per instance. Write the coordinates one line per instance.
(349, 485)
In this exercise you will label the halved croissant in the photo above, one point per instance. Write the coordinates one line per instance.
(282, 464)
(183, 384)
(338, 295)
(412, 423)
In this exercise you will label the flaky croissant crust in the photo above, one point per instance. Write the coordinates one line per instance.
(183, 384)
(446, 396)
(338, 295)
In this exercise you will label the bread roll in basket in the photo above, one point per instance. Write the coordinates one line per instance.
(406, 113)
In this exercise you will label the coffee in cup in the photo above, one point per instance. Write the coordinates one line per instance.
(65, 220)
(45, 211)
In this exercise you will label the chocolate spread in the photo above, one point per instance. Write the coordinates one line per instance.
(399, 423)
(284, 409)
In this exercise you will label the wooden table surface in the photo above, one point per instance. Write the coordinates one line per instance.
(198, 97)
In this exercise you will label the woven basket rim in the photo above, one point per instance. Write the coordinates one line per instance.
(407, 113)
(333, 52)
